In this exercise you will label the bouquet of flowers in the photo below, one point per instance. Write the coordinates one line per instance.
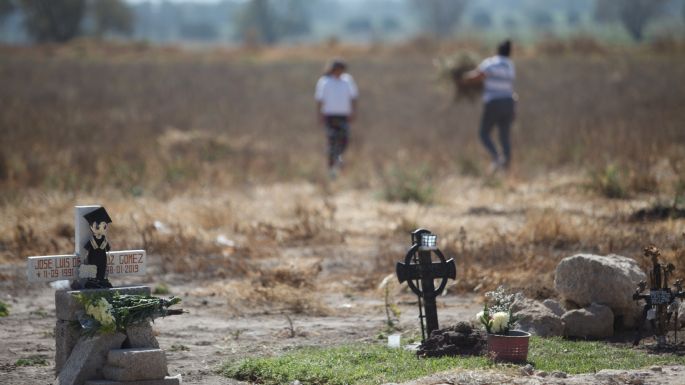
(497, 318)
(111, 312)
(454, 68)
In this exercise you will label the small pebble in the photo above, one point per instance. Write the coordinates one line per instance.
(527, 370)
(541, 373)
(655, 369)
(559, 375)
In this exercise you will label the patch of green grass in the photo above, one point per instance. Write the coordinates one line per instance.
(410, 183)
(610, 182)
(161, 288)
(36, 360)
(377, 364)
(4, 309)
(179, 348)
(573, 357)
(40, 312)
(348, 364)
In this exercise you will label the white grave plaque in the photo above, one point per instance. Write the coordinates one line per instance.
(59, 267)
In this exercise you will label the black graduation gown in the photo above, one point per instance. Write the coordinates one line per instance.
(98, 256)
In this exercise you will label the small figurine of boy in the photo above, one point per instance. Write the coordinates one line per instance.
(97, 248)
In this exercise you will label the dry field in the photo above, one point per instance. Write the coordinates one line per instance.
(212, 161)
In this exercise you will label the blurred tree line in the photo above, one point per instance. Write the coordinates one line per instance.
(61, 21)
(633, 14)
(275, 21)
(264, 21)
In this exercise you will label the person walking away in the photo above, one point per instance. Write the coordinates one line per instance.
(498, 74)
(336, 105)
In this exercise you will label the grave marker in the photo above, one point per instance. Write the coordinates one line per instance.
(661, 301)
(81, 358)
(419, 271)
(60, 267)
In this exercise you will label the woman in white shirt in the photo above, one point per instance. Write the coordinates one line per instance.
(336, 104)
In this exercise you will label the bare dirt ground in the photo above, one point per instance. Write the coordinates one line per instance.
(211, 332)
(316, 257)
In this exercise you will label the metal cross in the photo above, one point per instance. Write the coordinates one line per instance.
(660, 302)
(419, 271)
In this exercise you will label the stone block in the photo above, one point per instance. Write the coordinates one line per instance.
(67, 308)
(140, 335)
(66, 336)
(114, 373)
(536, 318)
(175, 380)
(554, 306)
(87, 358)
(585, 278)
(595, 321)
(135, 364)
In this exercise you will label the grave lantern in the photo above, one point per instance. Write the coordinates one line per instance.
(419, 270)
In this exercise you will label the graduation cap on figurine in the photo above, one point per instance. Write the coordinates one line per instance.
(97, 216)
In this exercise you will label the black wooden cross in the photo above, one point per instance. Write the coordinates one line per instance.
(419, 271)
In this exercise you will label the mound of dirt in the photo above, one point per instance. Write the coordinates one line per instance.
(459, 339)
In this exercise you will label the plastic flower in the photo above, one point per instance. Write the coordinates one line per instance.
(109, 313)
(500, 320)
(102, 312)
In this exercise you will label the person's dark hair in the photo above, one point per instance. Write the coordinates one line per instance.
(504, 48)
(335, 64)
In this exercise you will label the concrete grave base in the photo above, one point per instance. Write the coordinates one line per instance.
(87, 359)
(135, 364)
(133, 358)
(67, 307)
(66, 337)
(175, 380)
(67, 310)
(141, 335)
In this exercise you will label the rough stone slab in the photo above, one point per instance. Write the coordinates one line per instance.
(585, 278)
(554, 306)
(135, 364)
(536, 318)
(127, 358)
(175, 380)
(87, 358)
(144, 372)
(66, 306)
(595, 321)
(66, 336)
(140, 335)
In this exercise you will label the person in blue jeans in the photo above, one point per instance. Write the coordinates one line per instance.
(497, 74)
(336, 105)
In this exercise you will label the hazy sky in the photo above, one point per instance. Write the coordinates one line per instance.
(180, 1)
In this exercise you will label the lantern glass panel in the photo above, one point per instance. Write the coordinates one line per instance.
(429, 240)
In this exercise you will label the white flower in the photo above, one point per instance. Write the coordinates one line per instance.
(500, 320)
(101, 311)
(479, 316)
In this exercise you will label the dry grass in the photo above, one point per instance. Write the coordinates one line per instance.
(288, 289)
(213, 161)
(148, 123)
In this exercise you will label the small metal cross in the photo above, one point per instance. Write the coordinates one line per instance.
(419, 271)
